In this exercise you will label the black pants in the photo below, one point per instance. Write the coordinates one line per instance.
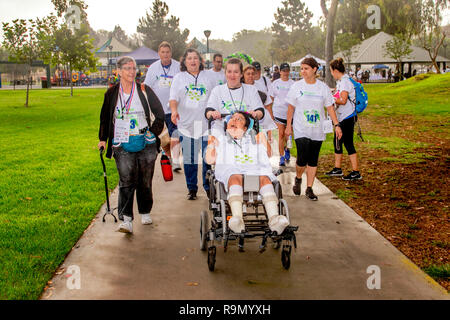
(348, 129)
(135, 174)
(307, 152)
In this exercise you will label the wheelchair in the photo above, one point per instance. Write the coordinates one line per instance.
(214, 229)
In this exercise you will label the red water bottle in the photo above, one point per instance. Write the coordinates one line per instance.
(166, 167)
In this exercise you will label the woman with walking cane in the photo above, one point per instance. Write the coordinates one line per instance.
(131, 137)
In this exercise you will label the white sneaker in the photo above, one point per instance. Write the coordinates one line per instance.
(236, 225)
(278, 223)
(126, 227)
(145, 218)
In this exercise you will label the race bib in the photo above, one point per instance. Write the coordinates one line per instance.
(165, 82)
(122, 131)
(311, 118)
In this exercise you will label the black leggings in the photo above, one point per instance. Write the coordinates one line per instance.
(307, 152)
(348, 128)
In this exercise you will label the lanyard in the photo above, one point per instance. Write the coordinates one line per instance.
(195, 77)
(128, 102)
(242, 99)
(164, 69)
(239, 145)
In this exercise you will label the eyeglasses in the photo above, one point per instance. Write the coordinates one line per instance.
(129, 69)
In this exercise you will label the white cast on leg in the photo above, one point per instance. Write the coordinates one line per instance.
(276, 222)
(235, 199)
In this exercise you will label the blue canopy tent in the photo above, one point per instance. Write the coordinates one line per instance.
(380, 66)
(143, 56)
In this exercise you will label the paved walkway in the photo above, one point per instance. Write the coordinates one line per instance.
(163, 261)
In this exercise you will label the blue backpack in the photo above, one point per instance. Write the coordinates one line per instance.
(361, 98)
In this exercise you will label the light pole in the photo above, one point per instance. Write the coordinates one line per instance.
(272, 53)
(109, 60)
(207, 34)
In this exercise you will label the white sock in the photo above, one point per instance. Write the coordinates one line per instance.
(268, 188)
(235, 190)
(127, 219)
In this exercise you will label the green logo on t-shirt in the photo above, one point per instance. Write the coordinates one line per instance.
(196, 93)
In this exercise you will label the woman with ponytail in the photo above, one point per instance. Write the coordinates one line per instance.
(345, 98)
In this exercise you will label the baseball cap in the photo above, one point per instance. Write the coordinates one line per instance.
(284, 65)
(257, 65)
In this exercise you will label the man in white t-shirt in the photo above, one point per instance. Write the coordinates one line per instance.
(160, 77)
(359, 74)
(217, 74)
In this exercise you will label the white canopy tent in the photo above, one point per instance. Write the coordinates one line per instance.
(298, 62)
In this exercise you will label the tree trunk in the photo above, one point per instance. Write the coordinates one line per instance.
(329, 50)
(70, 79)
(28, 86)
(438, 70)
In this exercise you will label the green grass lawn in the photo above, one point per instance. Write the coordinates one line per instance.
(423, 97)
(51, 182)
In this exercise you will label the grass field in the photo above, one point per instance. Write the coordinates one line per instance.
(51, 183)
(404, 163)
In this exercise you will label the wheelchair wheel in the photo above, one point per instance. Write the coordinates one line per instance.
(203, 230)
(286, 257)
(211, 258)
(277, 244)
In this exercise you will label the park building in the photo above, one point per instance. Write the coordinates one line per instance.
(371, 57)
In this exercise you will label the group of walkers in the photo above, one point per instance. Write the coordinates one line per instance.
(182, 96)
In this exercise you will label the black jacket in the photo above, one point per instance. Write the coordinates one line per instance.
(106, 131)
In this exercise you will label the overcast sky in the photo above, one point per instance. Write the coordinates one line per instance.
(222, 17)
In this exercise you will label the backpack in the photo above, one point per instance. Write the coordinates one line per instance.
(361, 98)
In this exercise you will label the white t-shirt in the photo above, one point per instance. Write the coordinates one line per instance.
(346, 110)
(136, 114)
(240, 157)
(261, 86)
(359, 74)
(309, 101)
(280, 91)
(225, 100)
(160, 79)
(192, 95)
(218, 77)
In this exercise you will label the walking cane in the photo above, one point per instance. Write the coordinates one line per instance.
(108, 208)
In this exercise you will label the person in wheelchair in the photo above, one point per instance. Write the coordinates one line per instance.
(237, 152)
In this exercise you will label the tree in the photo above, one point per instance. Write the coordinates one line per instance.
(397, 17)
(431, 33)
(155, 27)
(292, 29)
(398, 48)
(120, 34)
(27, 41)
(75, 49)
(330, 16)
(344, 44)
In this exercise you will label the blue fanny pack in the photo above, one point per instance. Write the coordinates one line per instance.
(137, 143)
